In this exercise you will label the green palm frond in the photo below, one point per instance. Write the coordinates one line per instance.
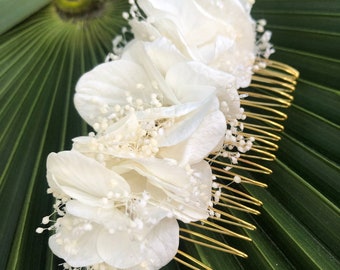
(42, 57)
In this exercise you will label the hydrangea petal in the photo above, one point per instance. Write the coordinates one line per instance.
(151, 251)
(74, 244)
(187, 190)
(83, 178)
(112, 218)
(212, 127)
(164, 54)
(141, 53)
(107, 85)
(196, 73)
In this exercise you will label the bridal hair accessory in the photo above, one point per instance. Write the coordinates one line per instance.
(180, 114)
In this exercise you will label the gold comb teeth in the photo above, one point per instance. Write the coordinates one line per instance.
(268, 94)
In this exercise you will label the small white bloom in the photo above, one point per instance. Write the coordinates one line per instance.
(218, 33)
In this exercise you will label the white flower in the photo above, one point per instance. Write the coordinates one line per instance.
(219, 33)
(184, 191)
(106, 220)
(167, 101)
(158, 116)
(168, 106)
(84, 243)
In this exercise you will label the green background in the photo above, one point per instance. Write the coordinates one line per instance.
(42, 57)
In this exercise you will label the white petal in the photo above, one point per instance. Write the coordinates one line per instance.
(187, 84)
(76, 246)
(164, 54)
(187, 117)
(142, 53)
(139, 182)
(175, 189)
(111, 218)
(160, 172)
(199, 75)
(195, 206)
(83, 178)
(101, 89)
(203, 141)
(143, 30)
(108, 143)
(154, 250)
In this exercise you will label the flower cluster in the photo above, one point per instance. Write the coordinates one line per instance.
(165, 102)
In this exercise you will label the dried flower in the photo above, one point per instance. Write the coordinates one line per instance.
(167, 100)
(106, 219)
(168, 106)
(218, 33)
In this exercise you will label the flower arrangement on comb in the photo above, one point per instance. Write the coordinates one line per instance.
(179, 113)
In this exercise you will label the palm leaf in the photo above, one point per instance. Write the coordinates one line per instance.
(41, 59)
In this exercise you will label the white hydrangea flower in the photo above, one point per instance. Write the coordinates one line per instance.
(184, 191)
(158, 117)
(219, 33)
(167, 104)
(105, 220)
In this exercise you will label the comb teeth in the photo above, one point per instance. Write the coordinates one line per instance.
(268, 94)
(190, 261)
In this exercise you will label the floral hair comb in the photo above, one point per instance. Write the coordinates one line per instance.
(180, 114)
